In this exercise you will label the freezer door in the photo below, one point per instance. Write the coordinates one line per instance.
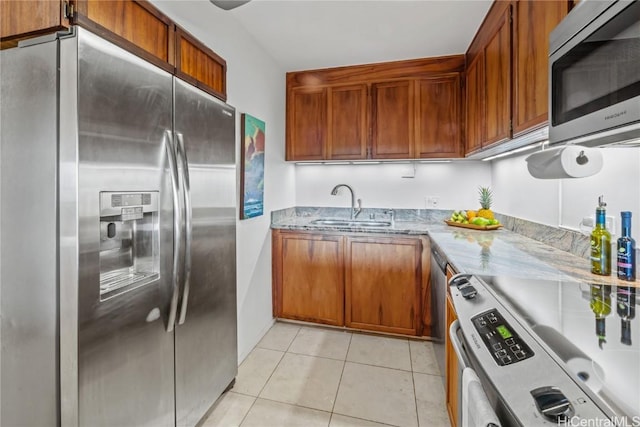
(125, 354)
(206, 338)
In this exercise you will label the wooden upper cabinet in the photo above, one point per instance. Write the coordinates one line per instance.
(23, 19)
(134, 25)
(347, 117)
(308, 277)
(497, 76)
(393, 120)
(383, 284)
(534, 21)
(199, 65)
(438, 113)
(371, 111)
(475, 104)
(306, 123)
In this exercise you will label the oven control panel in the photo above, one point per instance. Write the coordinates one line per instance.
(503, 343)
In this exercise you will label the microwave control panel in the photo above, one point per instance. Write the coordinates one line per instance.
(503, 342)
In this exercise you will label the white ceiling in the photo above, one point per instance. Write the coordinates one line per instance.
(309, 34)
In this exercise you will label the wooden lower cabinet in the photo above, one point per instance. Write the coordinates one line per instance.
(308, 277)
(360, 281)
(451, 361)
(382, 284)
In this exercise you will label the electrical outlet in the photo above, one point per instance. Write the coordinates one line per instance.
(588, 223)
(432, 201)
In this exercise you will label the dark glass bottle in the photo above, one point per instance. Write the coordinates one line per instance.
(626, 250)
(601, 242)
(626, 298)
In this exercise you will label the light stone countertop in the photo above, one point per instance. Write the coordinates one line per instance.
(496, 253)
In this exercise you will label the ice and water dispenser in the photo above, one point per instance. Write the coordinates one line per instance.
(129, 241)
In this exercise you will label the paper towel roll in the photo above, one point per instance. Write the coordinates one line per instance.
(571, 161)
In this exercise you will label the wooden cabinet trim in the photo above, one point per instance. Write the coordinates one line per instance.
(21, 20)
(375, 72)
(451, 368)
(426, 325)
(487, 28)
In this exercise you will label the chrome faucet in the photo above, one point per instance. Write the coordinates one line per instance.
(354, 211)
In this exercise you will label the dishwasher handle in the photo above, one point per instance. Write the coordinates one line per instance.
(440, 260)
(457, 345)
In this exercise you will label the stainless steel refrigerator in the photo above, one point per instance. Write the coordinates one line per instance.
(118, 270)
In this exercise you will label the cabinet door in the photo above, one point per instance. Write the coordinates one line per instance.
(22, 19)
(306, 124)
(475, 104)
(392, 120)
(136, 26)
(199, 65)
(382, 284)
(451, 368)
(497, 76)
(308, 277)
(347, 122)
(533, 22)
(438, 115)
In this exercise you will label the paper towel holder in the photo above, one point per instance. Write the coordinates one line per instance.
(568, 161)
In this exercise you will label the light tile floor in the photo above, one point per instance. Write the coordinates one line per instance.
(305, 376)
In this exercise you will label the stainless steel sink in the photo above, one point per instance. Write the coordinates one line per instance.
(351, 223)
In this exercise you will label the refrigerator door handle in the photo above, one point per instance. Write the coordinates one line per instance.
(188, 228)
(177, 230)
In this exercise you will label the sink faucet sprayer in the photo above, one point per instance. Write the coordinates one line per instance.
(354, 211)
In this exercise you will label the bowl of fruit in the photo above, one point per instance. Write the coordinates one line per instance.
(481, 219)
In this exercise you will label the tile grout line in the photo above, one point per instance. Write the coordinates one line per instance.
(413, 380)
(344, 364)
(274, 370)
(278, 364)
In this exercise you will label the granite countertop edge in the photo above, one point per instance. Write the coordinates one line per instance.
(499, 252)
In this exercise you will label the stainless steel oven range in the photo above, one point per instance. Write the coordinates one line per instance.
(547, 352)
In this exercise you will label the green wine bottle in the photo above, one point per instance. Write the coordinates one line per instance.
(601, 242)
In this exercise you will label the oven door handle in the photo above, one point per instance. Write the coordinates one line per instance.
(457, 345)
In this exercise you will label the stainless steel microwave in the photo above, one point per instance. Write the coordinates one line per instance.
(594, 74)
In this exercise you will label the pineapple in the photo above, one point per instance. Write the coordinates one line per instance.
(485, 203)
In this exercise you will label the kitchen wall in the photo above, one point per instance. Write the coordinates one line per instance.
(255, 85)
(554, 202)
(564, 202)
(455, 184)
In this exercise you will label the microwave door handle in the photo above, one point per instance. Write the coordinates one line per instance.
(177, 231)
(457, 346)
(188, 227)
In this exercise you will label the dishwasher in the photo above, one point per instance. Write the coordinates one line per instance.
(438, 278)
